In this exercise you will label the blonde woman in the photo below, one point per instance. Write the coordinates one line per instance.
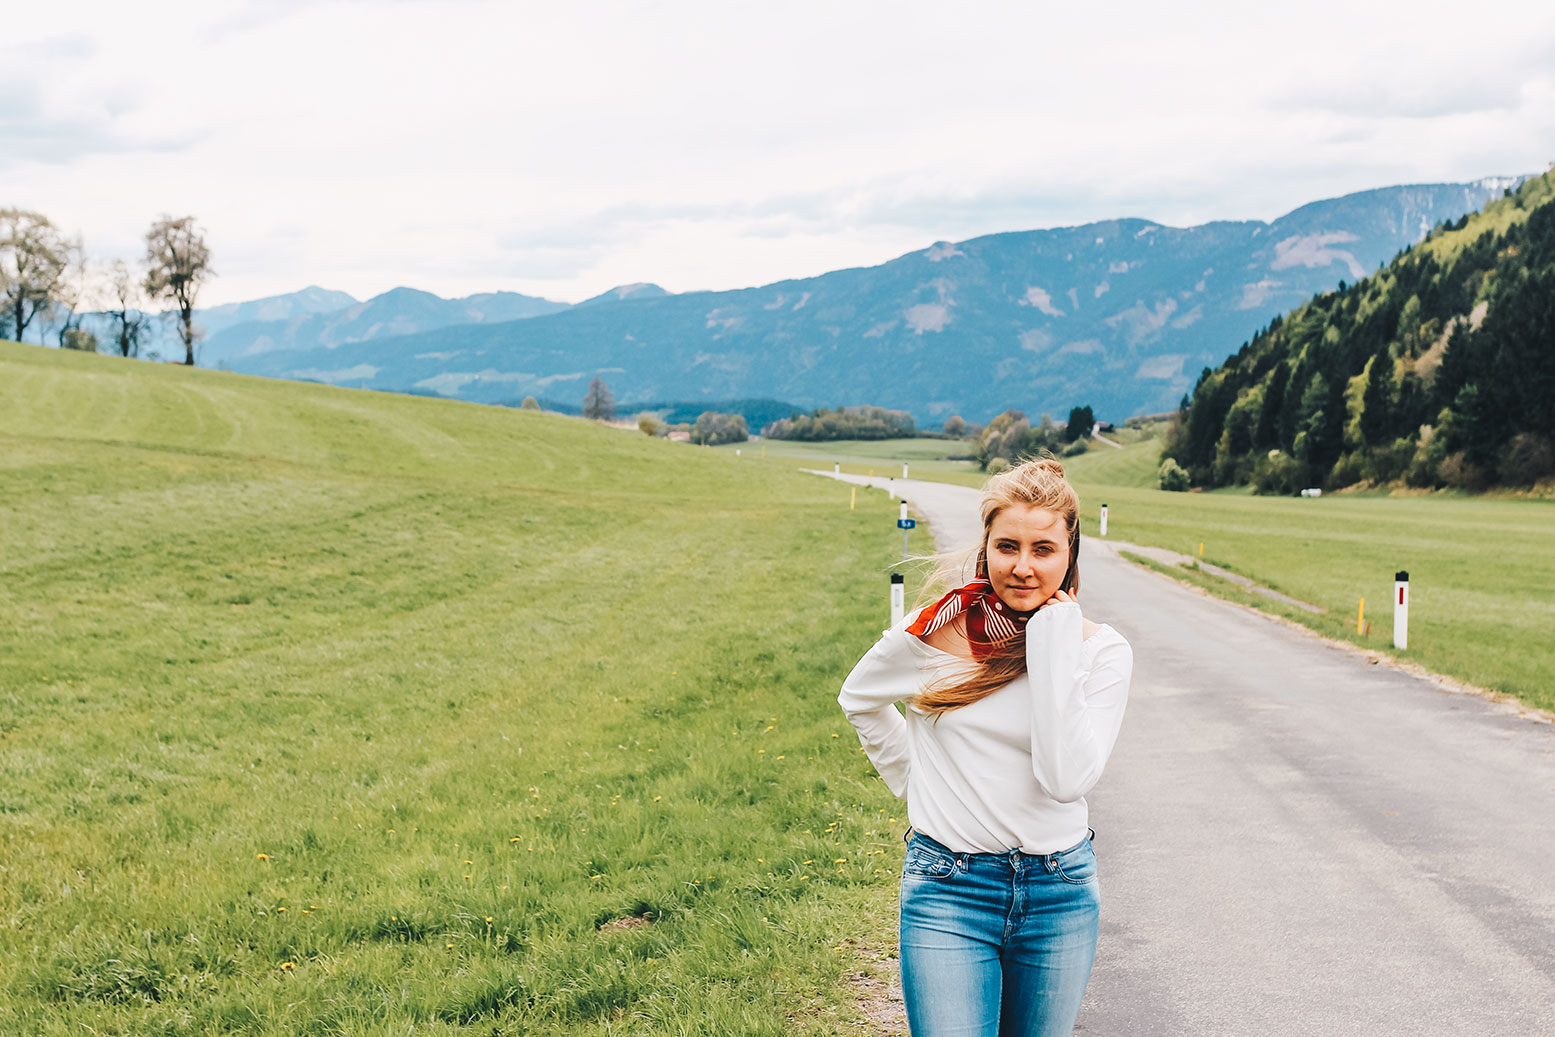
(1013, 702)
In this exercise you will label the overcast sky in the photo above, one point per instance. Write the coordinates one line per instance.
(564, 148)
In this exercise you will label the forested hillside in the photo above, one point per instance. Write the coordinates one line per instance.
(1438, 370)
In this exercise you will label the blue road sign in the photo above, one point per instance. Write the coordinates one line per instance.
(906, 523)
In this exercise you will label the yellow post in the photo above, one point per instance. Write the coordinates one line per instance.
(1360, 618)
(1201, 549)
(853, 499)
(871, 473)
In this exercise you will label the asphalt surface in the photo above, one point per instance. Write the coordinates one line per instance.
(1294, 840)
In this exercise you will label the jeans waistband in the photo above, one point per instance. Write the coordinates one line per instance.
(1042, 858)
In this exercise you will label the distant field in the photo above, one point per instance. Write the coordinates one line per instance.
(335, 712)
(1134, 465)
(1482, 570)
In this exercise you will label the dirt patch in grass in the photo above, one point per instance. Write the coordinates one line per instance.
(878, 988)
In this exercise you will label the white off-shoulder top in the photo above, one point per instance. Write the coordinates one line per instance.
(1011, 770)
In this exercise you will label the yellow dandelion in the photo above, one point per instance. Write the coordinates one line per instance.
(804, 878)
(836, 736)
(488, 919)
(450, 946)
(761, 860)
(657, 798)
(288, 965)
(467, 876)
(780, 757)
(515, 839)
(280, 909)
(261, 856)
(391, 831)
(809, 862)
(840, 860)
(394, 918)
(469, 862)
(761, 750)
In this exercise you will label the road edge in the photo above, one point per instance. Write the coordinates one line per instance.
(1441, 680)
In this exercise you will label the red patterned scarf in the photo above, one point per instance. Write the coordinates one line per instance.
(990, 623)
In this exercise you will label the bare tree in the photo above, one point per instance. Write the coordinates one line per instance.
(73, 298)
(33, 258)
(599, 403)
(131, 324)
(177, 264)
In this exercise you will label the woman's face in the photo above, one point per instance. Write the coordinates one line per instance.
(1028, 555)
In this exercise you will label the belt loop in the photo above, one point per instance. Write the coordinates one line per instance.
(907, 835)
(1093, 833)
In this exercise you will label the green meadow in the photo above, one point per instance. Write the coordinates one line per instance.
(333, 712)
(1482, 569)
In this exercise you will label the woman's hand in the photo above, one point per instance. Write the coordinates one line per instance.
(1058, 596)
(1087, 628)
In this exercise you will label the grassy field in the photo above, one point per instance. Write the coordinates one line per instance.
(1482, 569)
(333, 712)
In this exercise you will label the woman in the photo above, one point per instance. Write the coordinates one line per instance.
(1013, 704)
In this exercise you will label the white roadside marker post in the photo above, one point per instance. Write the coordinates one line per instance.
(1103, 520)
(905, 524)
(836, 468)
(904, 469)
(898, 598)
(1401, 610)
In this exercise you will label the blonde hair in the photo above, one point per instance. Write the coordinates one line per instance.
(1038, 482)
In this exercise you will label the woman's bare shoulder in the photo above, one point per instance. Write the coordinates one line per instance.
(950, 638)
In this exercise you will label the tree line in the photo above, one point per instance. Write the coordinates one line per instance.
(1436, 371)
(47, 281)
(710, 429)
(1011, 436)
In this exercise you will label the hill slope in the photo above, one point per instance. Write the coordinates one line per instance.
(347, 711)
(1440, 369)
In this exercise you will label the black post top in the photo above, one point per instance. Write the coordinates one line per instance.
(1401, 576)
(897, 578)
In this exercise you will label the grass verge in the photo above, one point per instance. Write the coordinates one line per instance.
(334, 712)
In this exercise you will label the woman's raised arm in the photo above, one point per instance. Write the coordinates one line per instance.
(1076, 709)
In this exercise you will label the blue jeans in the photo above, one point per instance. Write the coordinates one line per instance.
(996, 944)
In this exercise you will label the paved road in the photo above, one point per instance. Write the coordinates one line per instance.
(1295, 841)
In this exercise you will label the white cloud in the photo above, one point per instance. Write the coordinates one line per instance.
(560, 150)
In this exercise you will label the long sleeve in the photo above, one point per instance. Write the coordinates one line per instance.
(886, 675)
(1077, 708)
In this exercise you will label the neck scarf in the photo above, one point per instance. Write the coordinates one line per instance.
(990, 623)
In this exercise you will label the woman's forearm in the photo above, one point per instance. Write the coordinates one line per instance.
(1076, 710)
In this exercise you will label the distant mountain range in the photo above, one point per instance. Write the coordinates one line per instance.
(1120, 314)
